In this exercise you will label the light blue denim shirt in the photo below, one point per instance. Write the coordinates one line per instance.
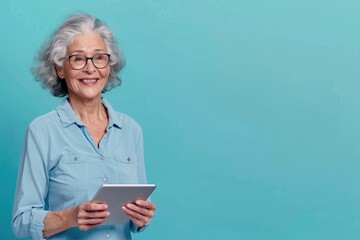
(61, 166)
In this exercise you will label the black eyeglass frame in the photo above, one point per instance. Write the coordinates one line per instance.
(86, 60)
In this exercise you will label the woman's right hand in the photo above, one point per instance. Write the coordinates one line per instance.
(89, 214)
(84, 216)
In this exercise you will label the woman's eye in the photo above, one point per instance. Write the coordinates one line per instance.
(78, 59)
(99, 57)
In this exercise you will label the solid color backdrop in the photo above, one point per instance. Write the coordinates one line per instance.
(250, 110)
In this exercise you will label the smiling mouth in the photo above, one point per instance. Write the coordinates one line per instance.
(88, 80)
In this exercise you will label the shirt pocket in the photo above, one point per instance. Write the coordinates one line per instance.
(127, 167)
(74, 173)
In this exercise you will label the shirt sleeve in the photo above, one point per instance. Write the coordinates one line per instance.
(139, 149)
(136, 229)
(31, 189)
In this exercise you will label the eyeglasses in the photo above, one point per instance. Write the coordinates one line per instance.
(78, 62)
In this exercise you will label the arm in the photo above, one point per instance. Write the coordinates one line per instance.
(85, 216)
(141, 211)
(58, 221)
(30, 219)
(31, 189)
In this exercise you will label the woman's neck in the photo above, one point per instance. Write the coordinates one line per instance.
(88, 111)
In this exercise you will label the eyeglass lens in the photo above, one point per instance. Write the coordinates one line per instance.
(79, 61)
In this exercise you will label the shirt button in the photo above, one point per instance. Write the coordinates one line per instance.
(107, 235)
(102, 158)
(105, 179)
(75, 159)
(128, 159)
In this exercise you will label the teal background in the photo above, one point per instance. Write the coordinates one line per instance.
(250, 110)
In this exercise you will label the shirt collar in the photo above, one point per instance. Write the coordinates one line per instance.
(68, 117)
(114, 119)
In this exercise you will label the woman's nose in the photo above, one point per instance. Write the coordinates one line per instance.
(89, 67)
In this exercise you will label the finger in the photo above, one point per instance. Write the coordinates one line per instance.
(136, 221)
(143, 217)
(90, 221)
(93, 214)
(85, 227)
(146, 204)
(140, 210)
(97, 214)
(95, 206)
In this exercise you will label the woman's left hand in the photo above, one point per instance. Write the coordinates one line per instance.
(140, 212)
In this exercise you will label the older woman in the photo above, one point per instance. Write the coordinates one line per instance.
(69, 152)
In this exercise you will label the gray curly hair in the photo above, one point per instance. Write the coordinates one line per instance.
(54, 50)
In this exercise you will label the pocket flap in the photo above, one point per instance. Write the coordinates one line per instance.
(74, 159)
(129, 159)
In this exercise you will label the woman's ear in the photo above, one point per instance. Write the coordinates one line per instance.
(60, 71)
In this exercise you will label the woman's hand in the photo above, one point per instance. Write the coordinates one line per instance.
(84, 216)
(89, 214)
(140, 212)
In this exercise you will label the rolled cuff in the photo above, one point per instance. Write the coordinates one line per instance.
(136, 229)
(37, 223)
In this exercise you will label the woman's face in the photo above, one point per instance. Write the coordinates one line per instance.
(86, 83)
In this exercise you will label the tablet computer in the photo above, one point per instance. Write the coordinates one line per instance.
(117, 195)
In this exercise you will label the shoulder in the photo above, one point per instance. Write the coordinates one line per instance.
(126, 123)
(44, 121)
(122, 120)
